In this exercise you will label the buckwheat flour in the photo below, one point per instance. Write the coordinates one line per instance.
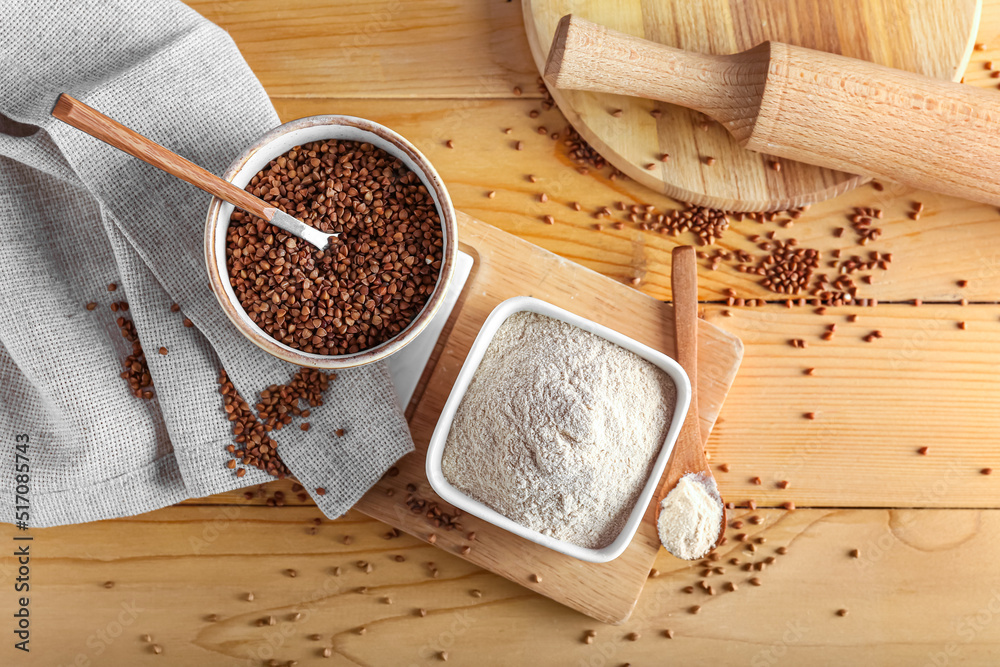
(559, 430)
(690, 517)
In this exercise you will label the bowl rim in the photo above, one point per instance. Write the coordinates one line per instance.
(457, 498)
(218, 279)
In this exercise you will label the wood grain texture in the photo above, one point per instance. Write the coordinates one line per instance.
(923, 591)
(507, 267)
(953, 239)
(925, 585)
(926, 383)
(379, 49)
(933, 37)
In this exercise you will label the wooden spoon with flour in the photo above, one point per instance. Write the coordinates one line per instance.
(690, 514)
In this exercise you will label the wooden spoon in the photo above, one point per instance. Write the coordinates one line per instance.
(74, 112)
(689, 452)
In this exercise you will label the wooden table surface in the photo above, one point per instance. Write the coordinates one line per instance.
(924, 587)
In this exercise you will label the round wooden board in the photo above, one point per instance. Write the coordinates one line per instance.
(933, 37)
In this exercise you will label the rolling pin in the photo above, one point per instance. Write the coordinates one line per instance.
(804, 105)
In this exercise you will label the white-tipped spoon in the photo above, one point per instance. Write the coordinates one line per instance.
(74, 112)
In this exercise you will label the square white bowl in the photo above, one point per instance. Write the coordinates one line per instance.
(435, 450)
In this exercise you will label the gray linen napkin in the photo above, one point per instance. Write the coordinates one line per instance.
(76, 215)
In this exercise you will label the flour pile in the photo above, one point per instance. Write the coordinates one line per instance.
(559, 430)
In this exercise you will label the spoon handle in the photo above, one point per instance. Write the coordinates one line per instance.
(689, 450)
(684, 285)
(74, 112)
(689, 453)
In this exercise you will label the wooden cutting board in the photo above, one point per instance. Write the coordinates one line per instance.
(506, 266)
(932, 37)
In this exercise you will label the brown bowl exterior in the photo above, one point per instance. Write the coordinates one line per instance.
(219, 277)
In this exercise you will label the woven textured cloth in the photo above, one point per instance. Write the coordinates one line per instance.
(77, 215)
